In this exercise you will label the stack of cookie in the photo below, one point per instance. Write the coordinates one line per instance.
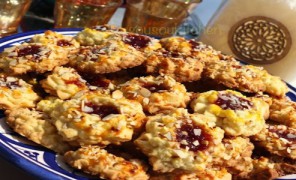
(120, 105)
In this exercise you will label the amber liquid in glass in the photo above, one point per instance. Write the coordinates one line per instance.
(157, 18)
(11, 13)
(79, 13)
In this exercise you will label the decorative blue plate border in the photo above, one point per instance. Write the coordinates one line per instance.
(38, 161)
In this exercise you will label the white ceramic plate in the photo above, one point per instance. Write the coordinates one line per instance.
(36, 160)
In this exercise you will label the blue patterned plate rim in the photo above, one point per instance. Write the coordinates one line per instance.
(33, 159)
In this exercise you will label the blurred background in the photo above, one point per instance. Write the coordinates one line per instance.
(41, 16)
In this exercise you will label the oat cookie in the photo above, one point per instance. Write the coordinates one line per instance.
(32, 57)
(181, 67)
(180, 141)
(54, 38)
(191, 48)
(96, 161)
(208, 174)
(110, 57)
(235, 113)
(36, 126)
(236, 157)
(64, 83)
(283, 111)
(246, 78)
(103, 34)
(95, 118)
(16, 93)
(265, 168)
(156, 93)
(277, 139)
(180, 58)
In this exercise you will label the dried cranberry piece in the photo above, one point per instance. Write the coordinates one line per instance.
(97, 81)
(30, 50)
(137, 41)
(171, 54)
(63, 43)
(102, 110)
(154, 87)
(194, 44)
(231, 101)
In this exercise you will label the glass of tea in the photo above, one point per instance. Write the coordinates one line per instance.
(84, 13)
(11, 13)
(159, 18)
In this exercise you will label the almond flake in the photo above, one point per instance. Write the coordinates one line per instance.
(87, 109)
(291, 136)
(288, 150)
(197, 132)
(196, 143)
(13, 62)
(69, 116)
(92, 87)
(146, 101)
(180, 153)
(284, 140)
(117, 94)
(110, 116)
(184, 142)
(145, 92)
(82, 105)
(168, 136)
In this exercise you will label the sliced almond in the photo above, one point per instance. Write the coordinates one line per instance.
(146, 101)
(145, 92)
(117, 94)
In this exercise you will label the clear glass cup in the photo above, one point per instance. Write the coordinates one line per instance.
(159, 18)
(11, 13)
(84, 13)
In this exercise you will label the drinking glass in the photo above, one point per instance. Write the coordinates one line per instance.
(11, 13)
(159, 18)
(84, 13)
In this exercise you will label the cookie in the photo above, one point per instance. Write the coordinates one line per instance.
(64, 83)
(191, 48)
(245, 78)
(96, 161)
(36, 126)
(32, 57)
(16, 93)
(57, 39)
(208, 174)
(236, 157)
(156, 93)
(181, 67)
(264, 168)
(277, 139)
(103, 34)
(94, 118)
(283, 111)
(180, 141)
(235, 113)
(110, 57)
